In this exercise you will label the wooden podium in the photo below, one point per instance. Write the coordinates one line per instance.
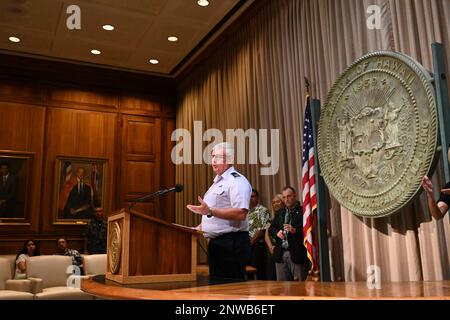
(144, 249)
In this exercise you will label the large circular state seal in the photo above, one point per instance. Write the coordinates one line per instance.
(378, 133)
(115, 248)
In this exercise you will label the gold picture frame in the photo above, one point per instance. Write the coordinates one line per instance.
(15, 191)
(75, 199)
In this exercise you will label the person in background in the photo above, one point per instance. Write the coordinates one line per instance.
(291, 261)
(96, 233)
(77, 259)
(29, 249)
(438, 208)
(277, 204)
(258, 216)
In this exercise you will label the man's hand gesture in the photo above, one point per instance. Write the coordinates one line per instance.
(200, 209)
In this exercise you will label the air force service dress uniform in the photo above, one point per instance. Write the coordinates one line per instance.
(229, 245)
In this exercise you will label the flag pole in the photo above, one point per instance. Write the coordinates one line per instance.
(442, 103)
(324, 261)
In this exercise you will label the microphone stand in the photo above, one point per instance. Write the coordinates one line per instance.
(148, 196)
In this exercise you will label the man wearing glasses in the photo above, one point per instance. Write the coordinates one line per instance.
(224, 211)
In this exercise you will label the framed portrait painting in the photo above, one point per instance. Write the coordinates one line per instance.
(80, 185)
(15, 183)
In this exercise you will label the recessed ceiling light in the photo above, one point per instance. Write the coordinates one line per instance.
(203, 3)
(172, 39)
(14, 39)
(95, 51)
(108, 27)
(153, 61)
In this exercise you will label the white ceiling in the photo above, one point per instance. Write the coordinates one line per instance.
(141, 30)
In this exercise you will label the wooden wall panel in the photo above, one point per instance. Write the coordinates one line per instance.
(22, 130)
(139, 137)
(51, 109)
(91, 78)
(21, 92)
(139, 105)
(141, 161)
(21, 127)
(82, 99)
(79, 134)
(140, 178)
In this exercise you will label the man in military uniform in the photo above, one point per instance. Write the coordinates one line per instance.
(258, 216)
(287, 228)
(224, 217)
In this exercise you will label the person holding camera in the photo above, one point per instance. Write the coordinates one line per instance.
(289, 253)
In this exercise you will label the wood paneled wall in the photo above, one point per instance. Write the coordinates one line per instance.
(46, 117)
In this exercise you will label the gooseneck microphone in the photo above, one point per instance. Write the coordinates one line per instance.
(176, 188)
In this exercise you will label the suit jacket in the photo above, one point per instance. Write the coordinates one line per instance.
(295, 240)
(8, 193)
(77, 200)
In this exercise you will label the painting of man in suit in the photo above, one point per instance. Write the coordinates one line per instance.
(79, 204)
(80, 188)
(8, 190)
(79, 195)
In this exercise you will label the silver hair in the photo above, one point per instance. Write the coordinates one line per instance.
(229, 150)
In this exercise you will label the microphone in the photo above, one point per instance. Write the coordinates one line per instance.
(176, 188)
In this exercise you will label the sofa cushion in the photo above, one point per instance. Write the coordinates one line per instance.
(23, 285)
(94, 264)
(5, 272)
(12, 263)
(15, 295)
(53, 270)
(63, 293)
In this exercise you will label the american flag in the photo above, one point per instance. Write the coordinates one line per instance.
(67, 171)
(94, 182)
(309, 189)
